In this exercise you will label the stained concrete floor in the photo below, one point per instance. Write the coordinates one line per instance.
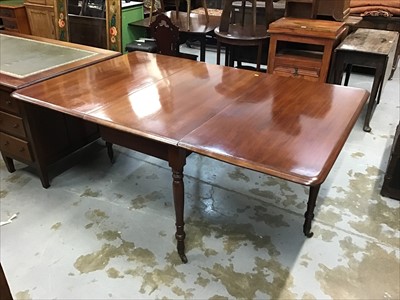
(105, 231)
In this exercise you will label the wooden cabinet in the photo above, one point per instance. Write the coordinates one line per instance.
(337, 10)
(41, 19)
(13, 15)
(303, 47)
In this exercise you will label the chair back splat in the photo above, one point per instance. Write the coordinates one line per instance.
(166, 35)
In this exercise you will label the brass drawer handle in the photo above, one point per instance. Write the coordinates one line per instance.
(8, 102)
(15, 126)
(296, 72)
(6, 143)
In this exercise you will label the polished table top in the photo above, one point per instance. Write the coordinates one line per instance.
(286, 127)
(27, 59)
(198, 22)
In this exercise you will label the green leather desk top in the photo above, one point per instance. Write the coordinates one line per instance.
(20, 57)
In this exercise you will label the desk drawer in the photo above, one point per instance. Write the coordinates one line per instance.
(7, 12)
(15, 147)
(310, 74)
(7, 103)
(12, 124)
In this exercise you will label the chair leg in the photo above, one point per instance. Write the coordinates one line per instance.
(259, 51)
(151, 10)
(188, 9)
(206, 10)
(218, 51)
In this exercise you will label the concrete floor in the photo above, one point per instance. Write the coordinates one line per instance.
(105, 231)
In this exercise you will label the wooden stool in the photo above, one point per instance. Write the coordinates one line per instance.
(242, 34)
(367, 48)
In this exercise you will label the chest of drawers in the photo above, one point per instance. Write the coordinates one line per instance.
(14, 16)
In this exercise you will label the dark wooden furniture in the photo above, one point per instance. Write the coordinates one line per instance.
(87, 22)
(5, 293)
(166, 36)
(13, 15)
(303, 47)
(243, 33)
(337, 10)
(173, 107)
(198, 30)
(391, 183)
(40, 137)
(302, 8)
(367, 48)
(188, 9)
(383, 23)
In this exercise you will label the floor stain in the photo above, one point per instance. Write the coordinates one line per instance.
(18, 179)
(99, 260)
(269, 277)
(56, 226)
(357, 154)
(375, 217)
(154, 279)
(114, 273)
(141, 201)
(202, 281)
(3, 194)
(308, 296)
(218, 297)
(233, 236)
(96, 216)
(325, 234)
(89, 193)
(23, 295)
(272, 220)
(152, 176)
(238, 175)
(109, 235)
(181, 293)
(375, 276)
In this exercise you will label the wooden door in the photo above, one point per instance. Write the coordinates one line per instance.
(41, 20)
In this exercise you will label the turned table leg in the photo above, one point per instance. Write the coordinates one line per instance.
(309, 215)
(177, 160)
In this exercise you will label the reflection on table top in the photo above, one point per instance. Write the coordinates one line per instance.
(286, 127)
(198, 22)
(26, 59)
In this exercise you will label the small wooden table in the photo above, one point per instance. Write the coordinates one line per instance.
(172, 107)
(198, 29)
(26, 60)
(287, 59)
(367, 48)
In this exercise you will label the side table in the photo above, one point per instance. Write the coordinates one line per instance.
(303, 47)
(367, 48)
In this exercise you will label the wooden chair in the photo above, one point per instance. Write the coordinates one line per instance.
(166, 36)
(188, 10)
(243, 33)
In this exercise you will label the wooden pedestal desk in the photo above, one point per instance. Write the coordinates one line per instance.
(303, 47)
(31, 134)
